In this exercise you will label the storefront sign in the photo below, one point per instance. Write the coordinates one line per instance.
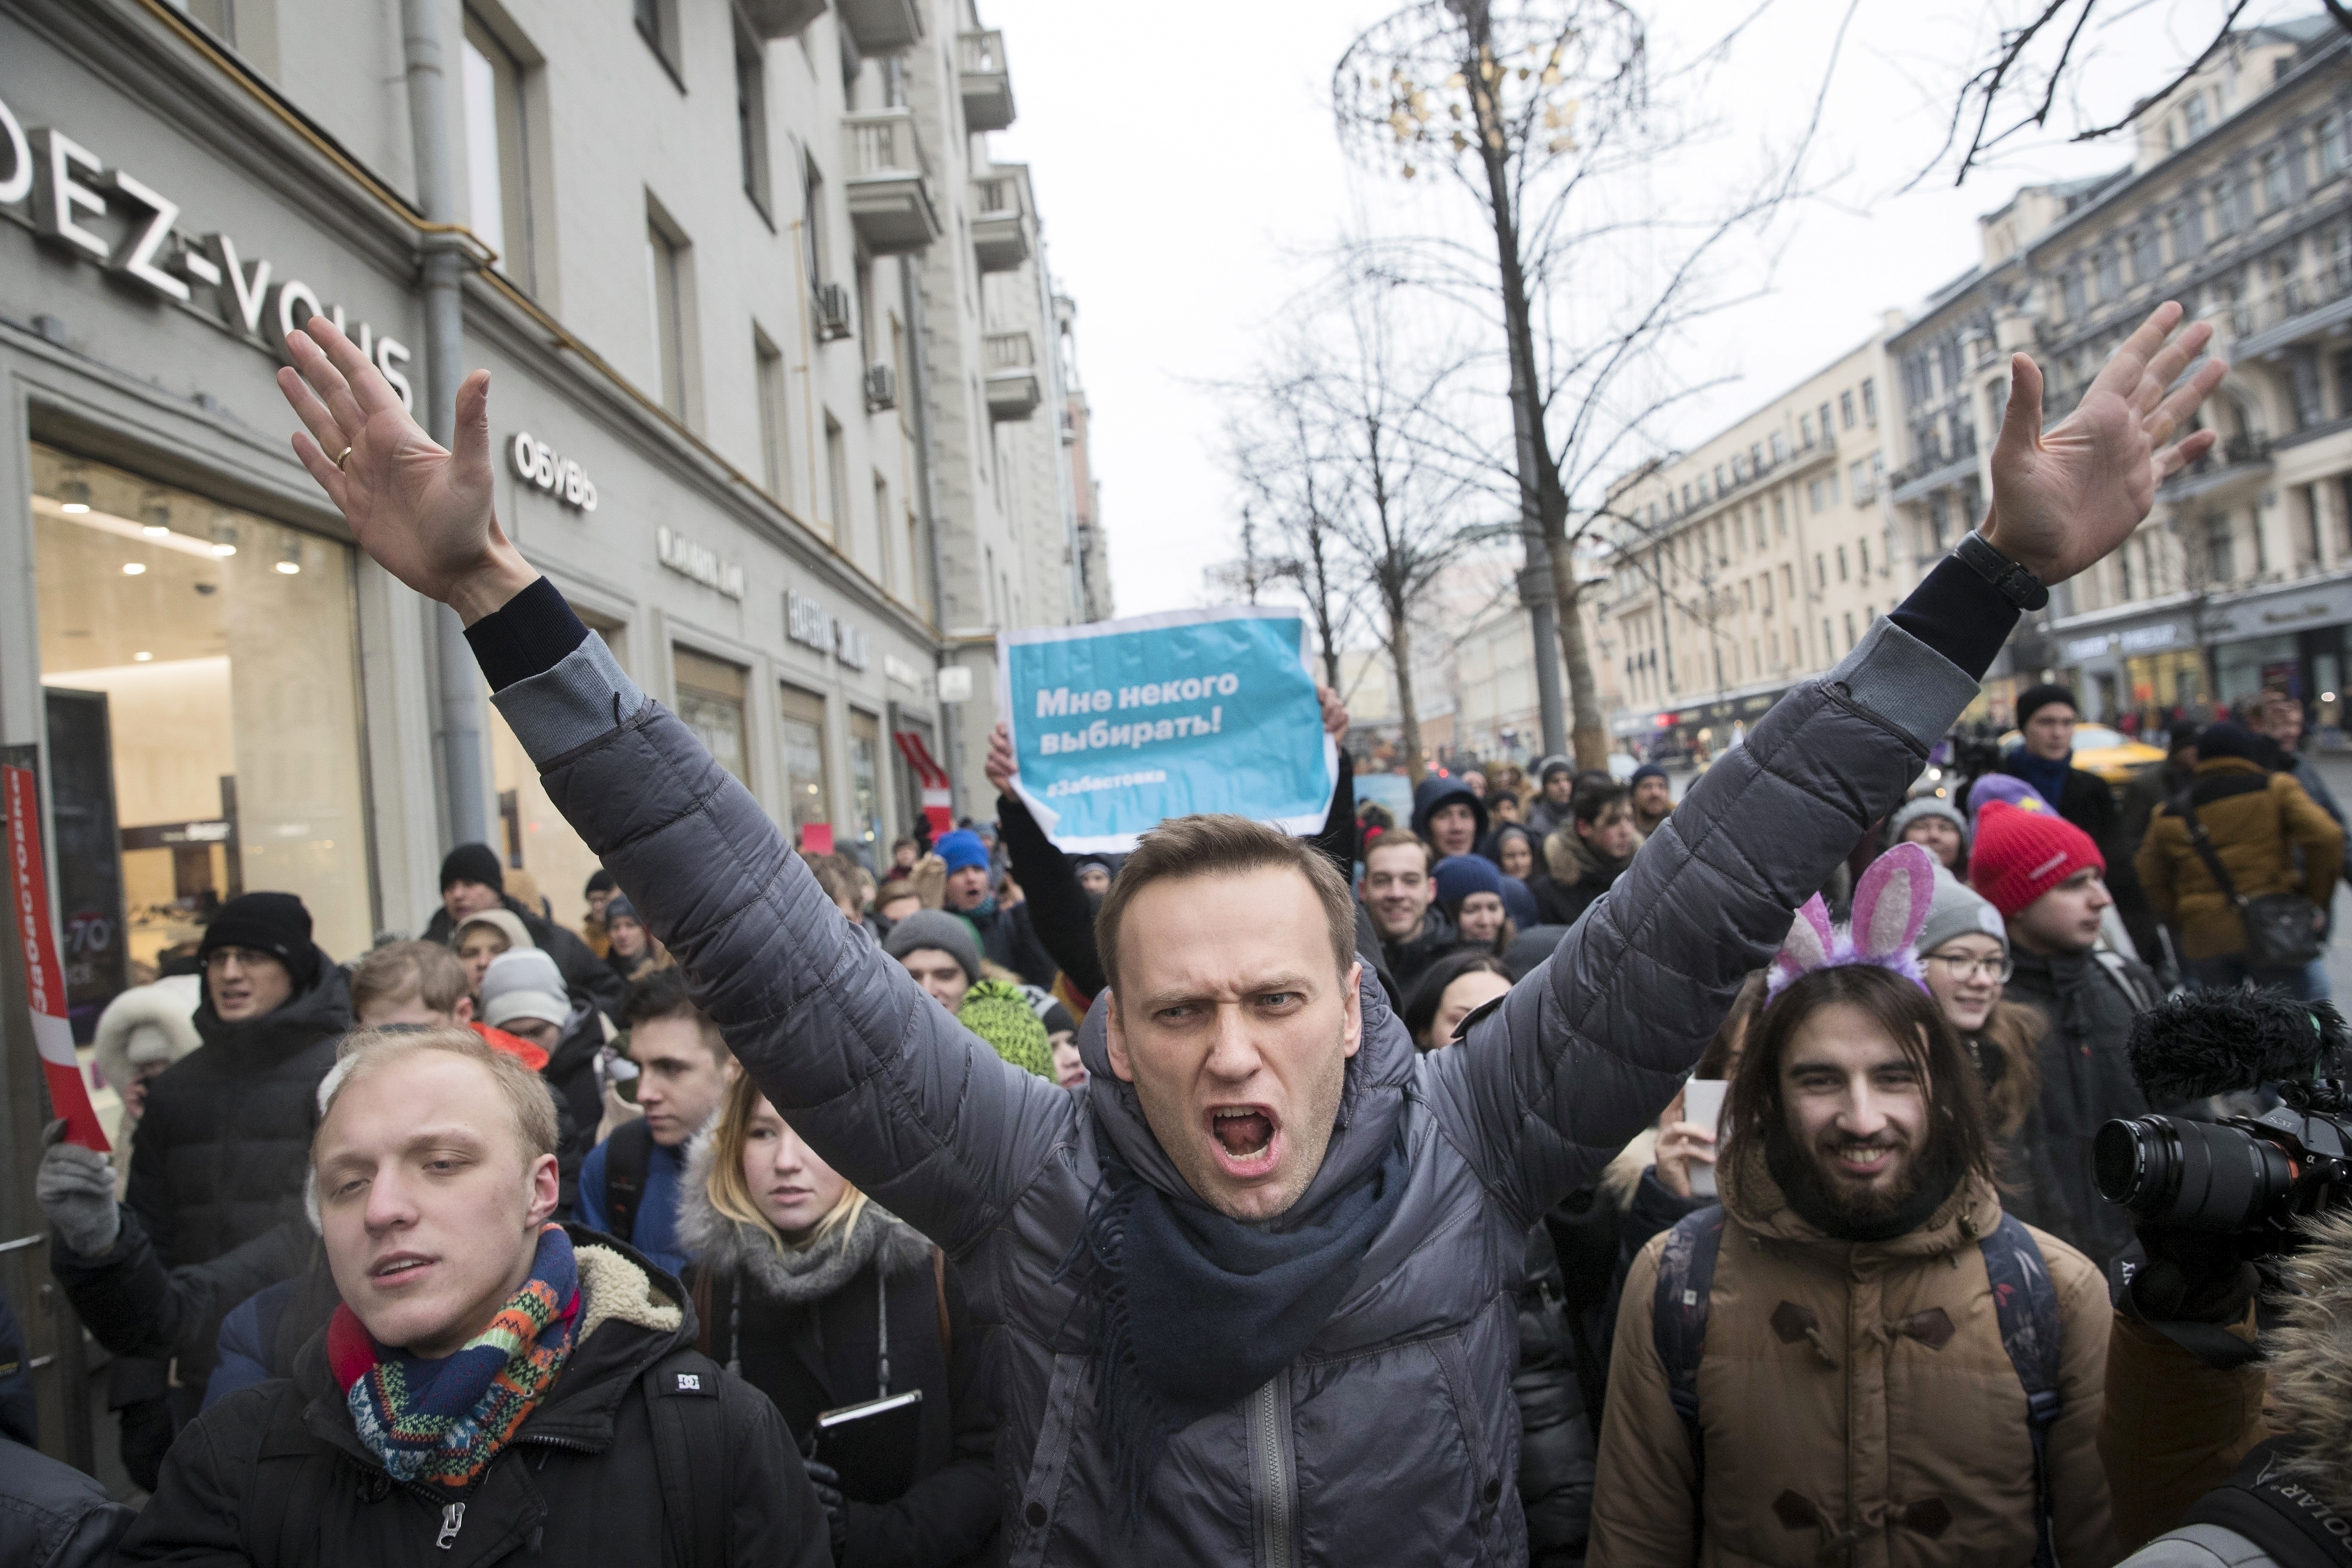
(535, 463)
(2148, 639)
(897, 669)
(688, 559)
(45, 984)
(2086, 648)
(70, 188)
(1119, 725)
(808, 623)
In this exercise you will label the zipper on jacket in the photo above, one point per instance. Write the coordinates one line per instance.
(1266, 1439)
(453, 1519)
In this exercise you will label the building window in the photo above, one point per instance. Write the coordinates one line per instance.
(813, 221)
(1863, 548)
(1820, 570)
(668, 286)
(1780, 446)
(1858, 480)
(882, 531)
(2145, 263)
(1779, 517)
(2330, 137)
(2110, 274)
(1939, 519)
(751, 117)
(497, 161)
(2275, 194)
(1841, 561)
(836, 479)
(658, 26)
(1849, 631)
(1805, 429)
(1829, 641)
(775, 448)
(1825, 412)
(2220, 554)
(2193, 111)
(710, 703)
(2187, 226)
(202, 713)
(806, 798)
(2070, 294)
(2225, 208)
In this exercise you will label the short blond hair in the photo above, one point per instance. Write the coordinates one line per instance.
(366, 1052)
(397, 971)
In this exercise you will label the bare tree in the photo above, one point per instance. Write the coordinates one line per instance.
(1282, 450)
(1544, 112)
(2034, 65)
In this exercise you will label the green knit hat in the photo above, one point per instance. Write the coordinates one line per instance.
(998, 1013)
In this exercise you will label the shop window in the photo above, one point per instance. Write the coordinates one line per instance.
(808, 799)
(866, 781)
(201, 670)
(498, 154)
(711, 701)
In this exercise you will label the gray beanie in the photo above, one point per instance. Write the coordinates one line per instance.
(936, 928)
(1925, 805)
(1957, 910)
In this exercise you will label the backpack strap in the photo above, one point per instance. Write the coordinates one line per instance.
(2027, 1304)
(628, 1156)
(1678, 1320)
(688, 1420)
(279, 1521)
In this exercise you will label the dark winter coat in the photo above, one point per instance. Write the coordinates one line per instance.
(576, 1484)
(1556, 1439)
(571, 1075)
(1409, 959)
(2086, 1079)
(135, 1306)
(2269, 836)
(1007, 937)
(1571, 879)
(811, 1357)
(605, 981)
(221, 1154)
(53, 1516)
(1388, 1439)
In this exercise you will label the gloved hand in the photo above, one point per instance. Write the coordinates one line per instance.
(75, 1188)
(826, 1482)
(2192, 1276)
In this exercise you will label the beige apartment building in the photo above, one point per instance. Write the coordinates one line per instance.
(2236, 204)
(1754, 560)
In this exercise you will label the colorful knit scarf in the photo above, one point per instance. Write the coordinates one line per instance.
(444, 1422)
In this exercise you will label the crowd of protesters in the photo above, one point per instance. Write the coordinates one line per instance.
(1517, 1182)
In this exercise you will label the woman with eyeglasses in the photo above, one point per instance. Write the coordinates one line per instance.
(1964, 955)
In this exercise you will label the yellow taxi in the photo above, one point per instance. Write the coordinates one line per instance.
(2116, 757)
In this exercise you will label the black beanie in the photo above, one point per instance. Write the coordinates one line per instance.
(473, 863)
(2037, 697)
(274, 923)
(2228, 740)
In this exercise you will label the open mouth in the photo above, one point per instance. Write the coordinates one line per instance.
(1245, 1138)
(394, 1269)
(1864, 1160)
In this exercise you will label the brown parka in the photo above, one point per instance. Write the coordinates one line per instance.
(2256, 820)
(1855, 1402)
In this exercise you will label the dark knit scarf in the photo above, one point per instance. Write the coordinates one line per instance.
(2047, 775)
(443, 1421)
(1192, 1310)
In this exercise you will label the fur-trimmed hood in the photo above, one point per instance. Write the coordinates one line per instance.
(155, 1023)
(2311, 1361)
(729, 1246)
(1570, 859)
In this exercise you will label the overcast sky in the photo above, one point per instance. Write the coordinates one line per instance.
(1187, 167)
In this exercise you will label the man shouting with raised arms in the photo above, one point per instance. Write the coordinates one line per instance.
(1253, 1293)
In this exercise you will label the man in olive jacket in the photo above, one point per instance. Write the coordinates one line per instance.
(1262, 1163)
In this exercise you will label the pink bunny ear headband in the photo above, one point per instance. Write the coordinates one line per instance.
(1890, 909)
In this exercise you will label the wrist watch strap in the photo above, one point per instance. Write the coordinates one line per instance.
(2010, 580)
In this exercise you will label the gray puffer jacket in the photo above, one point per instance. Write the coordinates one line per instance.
(1393, 1437)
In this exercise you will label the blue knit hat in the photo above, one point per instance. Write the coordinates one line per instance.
(961, 850)
(1459, 876)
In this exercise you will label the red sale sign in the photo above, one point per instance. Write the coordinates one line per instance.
(44, 984)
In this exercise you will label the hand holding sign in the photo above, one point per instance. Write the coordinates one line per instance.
(1115, 727)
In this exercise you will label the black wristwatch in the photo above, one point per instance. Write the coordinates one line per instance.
(2010, 580)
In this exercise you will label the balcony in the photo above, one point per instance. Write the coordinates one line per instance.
(1013, 392)
(999, 233)
(780, 18)
(1933, 471)
(888, 193)
(2297, 309)
(881, 27)
(987, 85)
(2236, 458)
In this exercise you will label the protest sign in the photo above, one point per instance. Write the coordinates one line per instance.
(1117, 725)
(44, 983)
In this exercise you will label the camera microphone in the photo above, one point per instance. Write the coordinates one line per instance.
(2204, 1042)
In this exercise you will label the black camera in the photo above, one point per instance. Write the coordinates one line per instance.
(2237, 1175)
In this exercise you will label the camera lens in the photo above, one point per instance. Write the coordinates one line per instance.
(2196, 1176)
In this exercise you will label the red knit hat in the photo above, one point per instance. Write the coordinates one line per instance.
(2018, 856)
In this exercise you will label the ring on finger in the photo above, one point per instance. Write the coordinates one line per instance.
(340, 456)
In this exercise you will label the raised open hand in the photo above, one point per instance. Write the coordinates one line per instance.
(424, 513)
(1002, 766)
(2064, 499)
